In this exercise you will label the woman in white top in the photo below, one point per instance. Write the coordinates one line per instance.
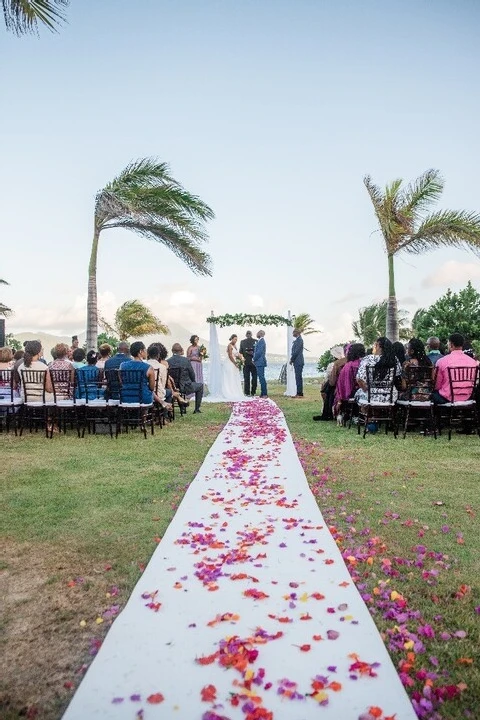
(31, 361)
(231, 380)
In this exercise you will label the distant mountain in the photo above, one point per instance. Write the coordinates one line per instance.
(178, 333)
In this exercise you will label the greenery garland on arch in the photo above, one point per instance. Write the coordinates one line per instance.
(242, 319)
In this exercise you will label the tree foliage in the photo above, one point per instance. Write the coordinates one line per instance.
(405, 223)
(453, 312)
(111, 340)
(303, 323)
(133, 319)
(147, 200)
(24, 17)
(5, 311)
(12, 342)
(372, 323)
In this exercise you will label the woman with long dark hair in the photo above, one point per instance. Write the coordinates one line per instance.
(31, 361)
(422, 388)
(384, 359)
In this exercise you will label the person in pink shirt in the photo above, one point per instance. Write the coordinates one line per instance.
(456, 358)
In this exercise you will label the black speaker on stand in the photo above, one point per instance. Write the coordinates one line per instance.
(2, 332)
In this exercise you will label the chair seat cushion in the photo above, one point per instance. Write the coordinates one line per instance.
(415, 403)
(65, 403)
(460, 403)
(136, 405)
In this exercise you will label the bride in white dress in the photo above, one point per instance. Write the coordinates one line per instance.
(231, 380)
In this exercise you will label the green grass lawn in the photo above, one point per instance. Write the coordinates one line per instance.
(82, 517)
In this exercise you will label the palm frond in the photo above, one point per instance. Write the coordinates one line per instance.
(25, 16)
(180, 244)
(419, 195)
(451, 228)
(5, 311)
(303, 323)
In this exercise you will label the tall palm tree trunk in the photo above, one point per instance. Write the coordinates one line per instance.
(392, 310)
(92, 304)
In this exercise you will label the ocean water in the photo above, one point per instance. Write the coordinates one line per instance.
(272, 371)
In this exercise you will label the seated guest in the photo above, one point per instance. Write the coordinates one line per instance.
(328, 388)
(130, 392)
(416, 358)
(162, 395)
(455, 358)
(61, 362)
(187, 383)
(399, 350)
(105, 352)
(346, 383)
(89, 377)
(384, 359)
(78, 358)
(122, 355)
(31, 361)
(6, 358)
(60, 358)
(468, 349)
(6, 363)
(157, 358)
(113, 363)
(433, 349)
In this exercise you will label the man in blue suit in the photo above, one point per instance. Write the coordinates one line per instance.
(260, 361)
(298, 361)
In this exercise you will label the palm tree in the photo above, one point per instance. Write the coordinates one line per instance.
(24, 16)
(405, 225)
(372, 322)
(146, 199)
(4, 310)
(134, 319)
(303, 323)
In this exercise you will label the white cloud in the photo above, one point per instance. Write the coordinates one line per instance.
(182, 297)
(256, 301)
(451, 273)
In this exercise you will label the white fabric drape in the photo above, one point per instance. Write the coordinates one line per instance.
(291, 390)
(215, 371)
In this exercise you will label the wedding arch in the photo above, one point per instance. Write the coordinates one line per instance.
(242, 320)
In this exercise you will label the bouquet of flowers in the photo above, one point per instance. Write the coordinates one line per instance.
(202, 351)
(239, 361)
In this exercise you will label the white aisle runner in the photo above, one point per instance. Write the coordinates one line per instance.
(246, 609)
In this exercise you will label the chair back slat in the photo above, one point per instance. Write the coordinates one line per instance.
(420, 381)
(33, 385)
(463, 380)
(90, 384)
(380, 383)
(112, 381)
(132, 383)
(174, 374)
(63, 382)
(6, 385)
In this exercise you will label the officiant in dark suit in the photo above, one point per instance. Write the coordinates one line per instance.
(297, 360)
(247, 347)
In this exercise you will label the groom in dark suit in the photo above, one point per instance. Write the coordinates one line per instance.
(298, 361)
(260, 361)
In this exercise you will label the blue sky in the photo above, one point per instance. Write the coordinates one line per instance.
(272, 112)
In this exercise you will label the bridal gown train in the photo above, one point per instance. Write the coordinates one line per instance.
(231, 381)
